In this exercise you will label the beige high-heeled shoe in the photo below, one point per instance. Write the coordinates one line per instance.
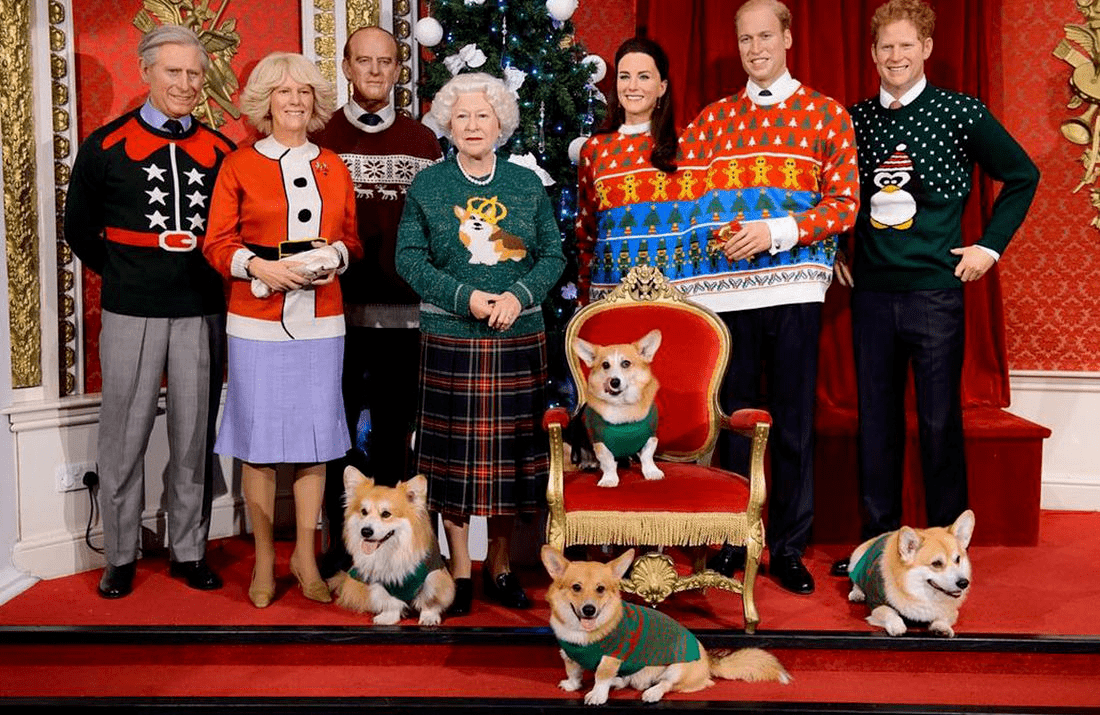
(314, 590)
(260, 597)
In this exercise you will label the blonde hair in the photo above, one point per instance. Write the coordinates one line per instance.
(917, 12)
(777, 6)
(500, 98)
(271, 72)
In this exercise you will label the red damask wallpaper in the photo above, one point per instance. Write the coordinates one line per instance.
(1049, 274)
(108, 84)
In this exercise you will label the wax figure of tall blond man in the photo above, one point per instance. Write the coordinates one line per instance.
(383, 150)
(136, 215)
(780, 182)
(918, 145)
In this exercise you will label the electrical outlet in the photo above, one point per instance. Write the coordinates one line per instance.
(70, 477)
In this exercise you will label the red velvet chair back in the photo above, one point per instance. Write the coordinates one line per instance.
(689, 364)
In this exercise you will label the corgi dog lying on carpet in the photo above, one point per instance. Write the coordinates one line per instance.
(629, 645)
(914, 576)
(395, 554)
(620, 414)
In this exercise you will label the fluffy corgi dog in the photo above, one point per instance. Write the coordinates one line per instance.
(914, 576)
(395, 554)
(620, 414)
(629, 645)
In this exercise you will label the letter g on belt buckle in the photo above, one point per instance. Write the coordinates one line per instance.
(177, 241)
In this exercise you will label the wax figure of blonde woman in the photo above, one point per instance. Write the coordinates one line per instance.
(628, 168)
(479, 243)
(273, 201)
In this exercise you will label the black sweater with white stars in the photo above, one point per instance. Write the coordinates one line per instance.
(916, 169)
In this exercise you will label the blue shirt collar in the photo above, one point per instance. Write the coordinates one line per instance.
(156, 118)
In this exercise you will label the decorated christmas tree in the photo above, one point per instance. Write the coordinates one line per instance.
(530, 44)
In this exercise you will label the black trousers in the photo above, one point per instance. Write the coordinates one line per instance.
(773, 364)
(891, 331)
(381, 372)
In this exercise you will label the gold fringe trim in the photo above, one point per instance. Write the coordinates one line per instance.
(626, 528)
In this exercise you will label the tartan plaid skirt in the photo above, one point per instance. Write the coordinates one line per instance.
(479, 440)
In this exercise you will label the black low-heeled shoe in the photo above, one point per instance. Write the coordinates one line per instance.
(505, 590)
(464, 596)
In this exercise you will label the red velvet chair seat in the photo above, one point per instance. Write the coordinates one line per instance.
(679, 491)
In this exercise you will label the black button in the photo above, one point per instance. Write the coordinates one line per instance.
(305, 215)
(300, 182)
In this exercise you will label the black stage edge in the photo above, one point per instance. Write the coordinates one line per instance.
(417, 635)
(490, 706)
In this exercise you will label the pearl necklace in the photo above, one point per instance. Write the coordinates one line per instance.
(478, 182)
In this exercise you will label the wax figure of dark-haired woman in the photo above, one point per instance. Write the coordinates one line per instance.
(629, 204)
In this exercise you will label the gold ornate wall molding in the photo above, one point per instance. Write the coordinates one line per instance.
(1080, 48)
(62, 91)
(20, 194)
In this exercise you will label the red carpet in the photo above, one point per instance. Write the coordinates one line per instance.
(1051, 589)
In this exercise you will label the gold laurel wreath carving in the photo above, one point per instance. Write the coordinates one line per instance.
(219, 37)
(1080, 48)
(20, 195)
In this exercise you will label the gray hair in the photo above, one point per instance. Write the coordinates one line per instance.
(269, 73)
(496, 92)
(151, 42)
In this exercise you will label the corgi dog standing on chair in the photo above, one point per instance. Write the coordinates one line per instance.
(395, 554)
(914, 576)
(629, 645)
(620, 413)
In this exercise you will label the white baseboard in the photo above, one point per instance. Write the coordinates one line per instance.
(63, 553)
(1069, 404)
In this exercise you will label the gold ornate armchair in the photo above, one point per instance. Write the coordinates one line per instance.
(695, 504)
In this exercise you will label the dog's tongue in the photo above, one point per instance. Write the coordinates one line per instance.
(369, 547)
(588, 624)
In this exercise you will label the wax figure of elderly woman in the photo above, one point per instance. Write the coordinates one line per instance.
(628, 166)
(479, 243)
(282, 224)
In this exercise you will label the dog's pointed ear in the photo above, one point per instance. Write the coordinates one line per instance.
(621, 565)
(554, 561)
(353, 478)
(460, 214)
(417, 490)
(963, 528)
(909, 543)
(648, 344)
(585, 350)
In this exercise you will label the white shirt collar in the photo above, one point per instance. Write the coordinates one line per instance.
(886, 99)
(781, 90)
(641, 128)
(353, 111)
(272, 149)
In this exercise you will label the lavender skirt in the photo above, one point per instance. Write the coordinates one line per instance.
(283, 403)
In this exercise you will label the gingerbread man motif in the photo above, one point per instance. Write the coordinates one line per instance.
(733, 173)
(686, 182)
(604, 192)
(791, 172)
(659, 183)
(760, 171)
(630, 189)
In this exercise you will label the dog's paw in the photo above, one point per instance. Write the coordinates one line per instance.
(430, 618)
(856, 595)
(569, 685)
(653, 694)
(608, 480)
(942, 628)
(387, 618)
(596, 696)
(652, 472)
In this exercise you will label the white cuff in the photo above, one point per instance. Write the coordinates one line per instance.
(238, 267)
(990, 251)
(345, 259)
(784, 232)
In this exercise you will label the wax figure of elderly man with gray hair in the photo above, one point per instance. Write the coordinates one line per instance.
(136, 215)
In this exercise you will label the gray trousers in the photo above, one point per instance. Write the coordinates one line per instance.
(135, 353)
